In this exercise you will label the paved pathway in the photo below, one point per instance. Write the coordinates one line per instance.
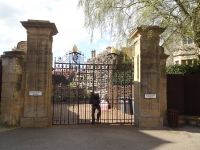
(3, 129)
(70, 114)
(100, 137)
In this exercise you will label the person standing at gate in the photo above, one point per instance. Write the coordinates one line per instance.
(94, 100)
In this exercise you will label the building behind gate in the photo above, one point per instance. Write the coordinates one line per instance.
(113, 83)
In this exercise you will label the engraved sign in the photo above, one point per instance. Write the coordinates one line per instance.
(35, 93)
(150, 96)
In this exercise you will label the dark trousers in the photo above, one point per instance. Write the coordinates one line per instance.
(94, 107)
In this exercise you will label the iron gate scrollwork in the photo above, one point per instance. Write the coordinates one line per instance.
(74, 79)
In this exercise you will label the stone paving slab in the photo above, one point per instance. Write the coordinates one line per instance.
(100, 137)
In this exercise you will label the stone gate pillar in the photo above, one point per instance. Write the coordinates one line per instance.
(147, 78)
(163, 85)
(38, 73)
(12, 96)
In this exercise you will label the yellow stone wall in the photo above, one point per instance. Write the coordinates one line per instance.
(11, 97)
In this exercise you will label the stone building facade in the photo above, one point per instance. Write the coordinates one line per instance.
(181, 50)
(102, 83)
(95, 77)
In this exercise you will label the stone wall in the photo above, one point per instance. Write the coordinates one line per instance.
(12, 95)
(0, 83)
(26, 70)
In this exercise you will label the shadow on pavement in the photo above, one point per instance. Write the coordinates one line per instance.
(84, 137)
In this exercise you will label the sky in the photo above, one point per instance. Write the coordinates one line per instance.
(68, 19)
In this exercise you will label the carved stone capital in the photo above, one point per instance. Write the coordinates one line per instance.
(41, 25)
(149, 31)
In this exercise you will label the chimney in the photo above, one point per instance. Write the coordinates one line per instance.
(93, 53)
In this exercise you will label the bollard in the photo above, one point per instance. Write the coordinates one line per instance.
(172, 117)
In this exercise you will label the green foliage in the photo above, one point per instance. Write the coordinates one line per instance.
(123, 72)
(86, 95)
(183, 69)
(125, 77)
(71, 84)
(119, 17)
(123, 59)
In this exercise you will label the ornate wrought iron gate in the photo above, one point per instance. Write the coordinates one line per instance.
(74, 80)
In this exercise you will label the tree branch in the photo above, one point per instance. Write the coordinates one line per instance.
(182, 7)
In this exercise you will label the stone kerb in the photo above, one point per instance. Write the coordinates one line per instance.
(147, 80)
(12, 96)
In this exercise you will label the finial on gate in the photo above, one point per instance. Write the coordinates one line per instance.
(113, 50)
(75, 49)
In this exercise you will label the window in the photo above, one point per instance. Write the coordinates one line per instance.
(189, 61)
(183, 62)
(176, 62)
(187, 41)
